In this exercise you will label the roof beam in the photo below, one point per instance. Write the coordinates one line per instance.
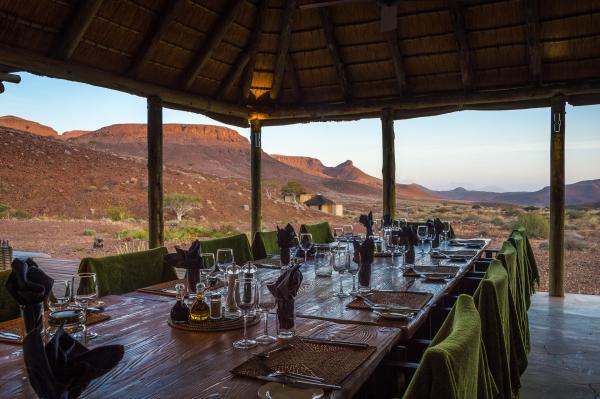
(292, 78)
(335, 53)
(248, 55)
(532, 15)
(462, 44)
(284, 44)
(149, 45)
(27, 61)
(76, 28)
(212, 42)
(392, 39)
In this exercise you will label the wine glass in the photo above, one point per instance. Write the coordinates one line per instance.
(352, 267)
(339, 265)
(445, 232)
(422, 233)
(306, 242)
(338, 232)
(60, 296)
(348, 230)
(266, 302)
(430, 238)
(245, 298)
(224, 260)
(208, 267)
(85, 293)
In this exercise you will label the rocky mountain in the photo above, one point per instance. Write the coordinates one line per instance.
(24, 125)
(580, 193)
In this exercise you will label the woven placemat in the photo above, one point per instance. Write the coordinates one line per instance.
(436, 269)
(413, 300)
(329, 361)
(211, 325)
(15, 326)
(170, 285)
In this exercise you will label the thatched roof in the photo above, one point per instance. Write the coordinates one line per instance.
(319, 200)
(289, 61)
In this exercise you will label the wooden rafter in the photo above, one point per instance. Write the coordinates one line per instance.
(284, 43)
(392, 39)
(75, 28)
(335, 53)
(149, 45)
(292, 78)
(247, 56)
(533, 39)
(212, 42)
(462, 44)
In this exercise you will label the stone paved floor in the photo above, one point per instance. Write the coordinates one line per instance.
(565, 357)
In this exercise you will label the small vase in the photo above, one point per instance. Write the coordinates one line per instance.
(286, 318)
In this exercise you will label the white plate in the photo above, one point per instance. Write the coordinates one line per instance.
(275, 390)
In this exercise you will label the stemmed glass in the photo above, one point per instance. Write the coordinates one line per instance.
(352, 267)
(445, 232)
(208, 267)
(348, 230)
(306, 242)
(245, 299)
(430, 238)
(266, 302)
(422, 234)
(85, 293)
(224, 260)
(339, 265)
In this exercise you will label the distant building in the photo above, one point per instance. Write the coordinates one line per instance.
(300, 199)
(326, 205)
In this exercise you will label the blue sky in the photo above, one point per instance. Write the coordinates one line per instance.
(501, 150)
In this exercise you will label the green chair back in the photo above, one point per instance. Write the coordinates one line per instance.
(119, 274)
(491, 300)
(321, 232)
(455, 366)
(519, 323)
(242, 252)
(532, 269)
(9, 308)
(264, 244)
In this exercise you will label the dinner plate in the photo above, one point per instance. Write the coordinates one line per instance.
(275, 390)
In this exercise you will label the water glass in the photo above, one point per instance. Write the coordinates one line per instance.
(246, 301)
(266, 303)
(85, 294)
(338, 262)
(224, 260)
(352, 268)
(306, 243)
(208, 267)
(338, 232)
(422, 234)
(348, 230)
(323, 260)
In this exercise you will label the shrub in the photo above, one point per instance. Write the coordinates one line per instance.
(575, 242)
(20, 214)
(575, 214)
(181, 204)
(497, 221)
(530, 208)
(140, 234)
(89, 232)
(117, 213)
(535, 225)
(476, 206)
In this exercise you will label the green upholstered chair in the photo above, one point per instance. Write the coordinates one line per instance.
(491, 300)
(119, 274)
(519, 322)
(455, 365)
(264, 244)
(9, 308)
(529, 260)
(242, 252)
(321, 232)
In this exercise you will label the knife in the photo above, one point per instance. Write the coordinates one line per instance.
(161, 290)
(334, 342)
(380, 306)
(265, 355)
(11, 337)
(297, 382)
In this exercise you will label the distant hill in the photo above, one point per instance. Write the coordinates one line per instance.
(24, 125)
(580, 193)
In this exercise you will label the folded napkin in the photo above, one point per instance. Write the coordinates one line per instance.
(187, 259)
(285, 240)
(364, 255)
(408, 237)
(438, 227)
(367, 221)
(63, 368)
(284, 290)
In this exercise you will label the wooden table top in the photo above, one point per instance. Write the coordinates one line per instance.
(163, 362)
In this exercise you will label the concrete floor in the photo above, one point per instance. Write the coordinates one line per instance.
(565, 356)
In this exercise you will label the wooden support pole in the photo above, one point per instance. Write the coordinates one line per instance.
(76, 28)
(340, 69)
(532, 16)
(462, 43)
(156, 235)
(557, 197)
(282, 50)
(255, 166)
(389, 162)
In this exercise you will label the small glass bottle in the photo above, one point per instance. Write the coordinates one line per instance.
(180, 312)
(199, 310)
(231, 309)
(216, 307)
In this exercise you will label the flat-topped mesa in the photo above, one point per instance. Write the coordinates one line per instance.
(24, 125)
(71, 134)
(174, 133)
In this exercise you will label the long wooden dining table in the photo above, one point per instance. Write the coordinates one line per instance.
(163, 362)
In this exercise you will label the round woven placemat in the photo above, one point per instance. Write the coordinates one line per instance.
(413, 300)
(211, 325)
